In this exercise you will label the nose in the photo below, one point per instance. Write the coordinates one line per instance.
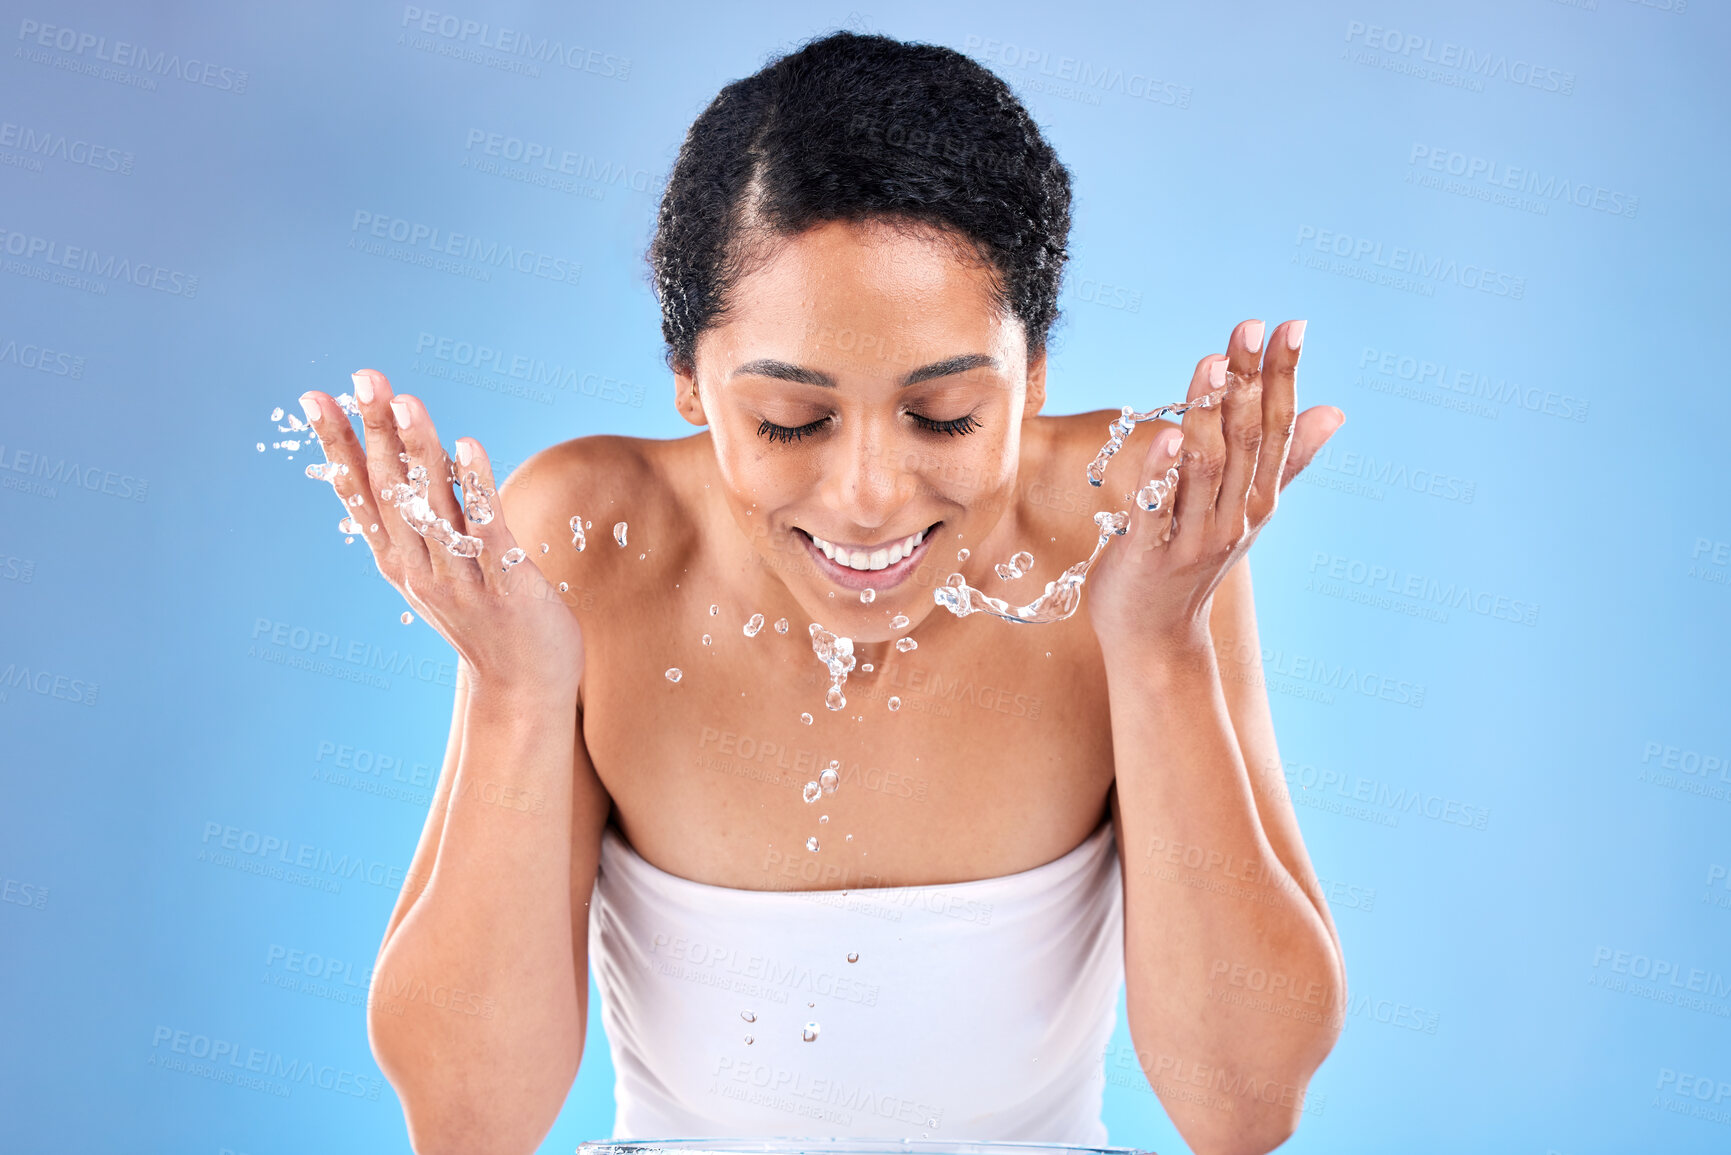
(863, 480)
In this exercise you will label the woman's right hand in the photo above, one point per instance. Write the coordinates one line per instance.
(507, 623)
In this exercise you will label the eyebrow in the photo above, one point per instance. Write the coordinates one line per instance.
(783, 371)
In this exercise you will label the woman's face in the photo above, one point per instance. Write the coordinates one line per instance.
(865, 398)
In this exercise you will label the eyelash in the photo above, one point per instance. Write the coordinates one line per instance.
(963, 425)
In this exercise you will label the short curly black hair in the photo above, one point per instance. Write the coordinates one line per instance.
(851, 127)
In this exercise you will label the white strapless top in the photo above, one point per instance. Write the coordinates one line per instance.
(975, 1010)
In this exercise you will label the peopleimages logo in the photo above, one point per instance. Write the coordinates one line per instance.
(1410, 51)
(1402, 265)
(1491, 176)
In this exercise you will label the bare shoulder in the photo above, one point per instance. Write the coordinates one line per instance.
(608, 481)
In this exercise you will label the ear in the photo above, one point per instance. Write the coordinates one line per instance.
(1036, 395)
(685, 397)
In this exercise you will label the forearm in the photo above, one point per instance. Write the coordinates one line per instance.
(475, 1014)
(1207, 902)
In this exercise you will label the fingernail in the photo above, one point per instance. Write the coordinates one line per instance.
(1217, 374)
(463, 452)
(1253, 336)
(401, 409)
(363, 387)
(1295, 334)
(1172, 446)
(310, 406)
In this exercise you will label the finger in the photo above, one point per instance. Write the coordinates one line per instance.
(1241, 425)
(1203, 454)
(487, 517)
(385, 471)
(1279, 404)
(343, 449)
(421, 443)
(1313, 427)
(1154, 527)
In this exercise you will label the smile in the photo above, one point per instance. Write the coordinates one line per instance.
(881, 566)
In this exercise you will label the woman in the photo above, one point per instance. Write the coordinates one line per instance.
(858, 261)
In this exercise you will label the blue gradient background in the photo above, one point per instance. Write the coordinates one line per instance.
(1195, 212)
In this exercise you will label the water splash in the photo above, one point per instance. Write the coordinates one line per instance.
(753, 625)
(577, 538)
(410, 499)
(836, 654)
(1064, 594)
(478, 500)
(619, 533)
(1018, 566)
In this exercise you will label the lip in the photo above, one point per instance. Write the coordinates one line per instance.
(878, 579)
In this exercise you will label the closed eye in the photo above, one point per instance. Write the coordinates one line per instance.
(962, 425)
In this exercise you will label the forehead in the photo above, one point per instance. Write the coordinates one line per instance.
(881, 283)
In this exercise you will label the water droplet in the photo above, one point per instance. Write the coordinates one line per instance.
(822, 818)
(713, 610)
(706, 639)
(868, 596)
(899, 622)
(577, 534)
(895, 703)
(1018, 566)
(753, 625)
(810, 1032)
(811, 843)
(321, 471)
(813, 791)
(853, 956)
(806, 718)
(781, 625)
(512, 556)
(748, 1016)
(830, 778)
(477, 499)
(261, 447)
(850, 838)
(962, 555)
(348, 525)
(619, 533)
(356, 499)
(903, 645)
(407, 617)
(748, 1040)
(564, 587)
(674, 673)
(866, 668)
(373, 528)
(276, 414)
(545, 547)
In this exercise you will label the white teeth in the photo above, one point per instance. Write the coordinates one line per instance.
(865, 560)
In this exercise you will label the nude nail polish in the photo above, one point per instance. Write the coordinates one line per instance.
(1295, 334)
(363, 387)
(1217, 374)
(1253, 336)
(310, 406)
(400, 409)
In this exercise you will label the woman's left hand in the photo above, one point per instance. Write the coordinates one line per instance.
(1156, 585)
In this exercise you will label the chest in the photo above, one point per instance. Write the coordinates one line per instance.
(984, 751)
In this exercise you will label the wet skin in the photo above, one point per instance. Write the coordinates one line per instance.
(914, 406)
